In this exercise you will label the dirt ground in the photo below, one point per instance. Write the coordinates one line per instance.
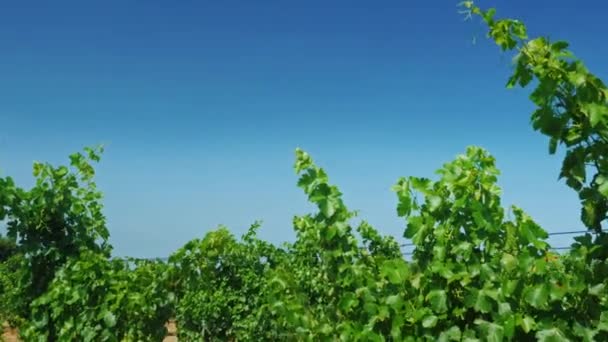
(10, 335)
(171, 332)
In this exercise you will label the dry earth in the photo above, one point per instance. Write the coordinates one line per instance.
(9, 334)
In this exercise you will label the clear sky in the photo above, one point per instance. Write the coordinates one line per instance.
(202, 103)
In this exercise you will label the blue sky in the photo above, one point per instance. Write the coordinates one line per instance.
(202, 103)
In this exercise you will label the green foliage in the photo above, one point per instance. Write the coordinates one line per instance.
(476, 274)
(65, 287)
(220, 283)
(96, 299)
(13, 306)
(571, 108)
(481, 273)
(478, 271)
(330, 287)
(12, 303)
(57, 219)
(8, 248)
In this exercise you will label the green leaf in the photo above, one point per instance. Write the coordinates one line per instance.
(452, 334)
(438, 301)
(587, 334)
(434, 202)
(421, 184)
(527, 324)
(89, 334)
(348, 301)
(597, 113)
(557, 291)
(590, 215)
(602, 182)
(109, 319)
(396, 327)
(404, 208)
(429, 321)
(490, 331)
(531, 233)
(383, 312)
(413, 227)
(553, 145)
(537, 296)
(489, 14)
(328, 206)
(303, 160)
(508, 324)
(577, 78)
(545, 120)
(519, 29)
(479, 301)
(504, 309)
(559, 46)
(394, 301)
(331, 232)
(603, 325)
(395, 270)
(543, 94)
(596, 290)
(37, 169)
(61, 171)
(509, 286)
(551, 335)
(508, 262)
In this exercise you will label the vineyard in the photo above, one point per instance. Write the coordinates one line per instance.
(478, 271)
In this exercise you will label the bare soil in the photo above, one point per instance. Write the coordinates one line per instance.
(9, 334)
